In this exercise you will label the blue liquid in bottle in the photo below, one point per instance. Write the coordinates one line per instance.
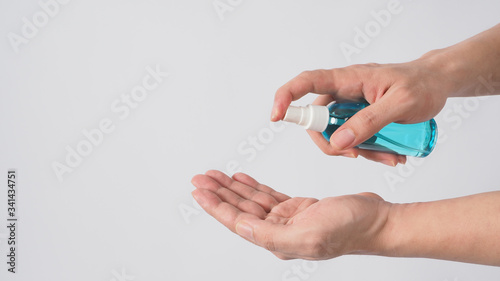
(416, 140)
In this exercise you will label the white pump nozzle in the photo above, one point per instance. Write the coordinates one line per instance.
(312, 117)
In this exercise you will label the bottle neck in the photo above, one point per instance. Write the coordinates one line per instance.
(312, 117)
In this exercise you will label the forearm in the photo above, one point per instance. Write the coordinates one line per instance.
(473, 65)
(465, 229)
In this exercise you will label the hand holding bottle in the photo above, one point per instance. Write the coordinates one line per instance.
(404, 93)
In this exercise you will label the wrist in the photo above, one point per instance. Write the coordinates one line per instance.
(396, 237)
(464, 67)
(373, 241)
(458, 229)
(452, 72)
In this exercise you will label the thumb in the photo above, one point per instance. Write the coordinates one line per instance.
(362, 125)
(271, 236)
(371, 194)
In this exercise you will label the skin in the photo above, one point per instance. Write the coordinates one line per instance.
(465, 229)
(460, 229)
(409, 92)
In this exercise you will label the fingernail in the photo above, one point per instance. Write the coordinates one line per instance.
(402, 160)
(198, 199)
(343, 138)
(350, 155)
(245, 230)
(274, 113)
(388, 163)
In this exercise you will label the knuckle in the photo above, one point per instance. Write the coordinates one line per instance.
(372, 64)
(306, 74)
(318, 75)
(355, 66)
(330, 150)
(265, 200)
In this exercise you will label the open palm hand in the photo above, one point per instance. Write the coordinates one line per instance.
(297, 227)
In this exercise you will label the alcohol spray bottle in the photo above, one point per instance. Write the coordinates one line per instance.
(416, 140)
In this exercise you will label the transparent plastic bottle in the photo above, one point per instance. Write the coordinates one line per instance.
(416, 140)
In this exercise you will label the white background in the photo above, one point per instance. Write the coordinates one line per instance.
(126, 213)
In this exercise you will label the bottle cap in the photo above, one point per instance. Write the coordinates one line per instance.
(312, 117)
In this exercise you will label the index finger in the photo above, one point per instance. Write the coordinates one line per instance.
(340, 83)
(316, 81)
(224, 212)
